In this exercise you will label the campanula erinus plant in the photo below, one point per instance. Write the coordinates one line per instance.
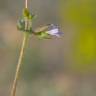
(24, 24)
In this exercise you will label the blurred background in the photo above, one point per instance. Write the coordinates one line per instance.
(53, 67)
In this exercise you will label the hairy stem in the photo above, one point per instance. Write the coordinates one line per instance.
(23, 46)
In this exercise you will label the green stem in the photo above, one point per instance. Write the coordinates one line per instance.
(24, 43)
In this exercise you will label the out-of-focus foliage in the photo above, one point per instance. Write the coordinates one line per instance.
(81, 14)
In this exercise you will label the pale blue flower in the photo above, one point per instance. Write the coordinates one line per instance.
(53, 30)
(48, 31)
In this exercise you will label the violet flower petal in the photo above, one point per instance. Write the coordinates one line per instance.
(53, 30)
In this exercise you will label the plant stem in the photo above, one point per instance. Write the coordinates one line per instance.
(23, 46)
(26, 3)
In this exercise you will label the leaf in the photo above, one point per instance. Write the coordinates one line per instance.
(27, 14)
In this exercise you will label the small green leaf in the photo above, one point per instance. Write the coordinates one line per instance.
(31, 16)
(21, 24)
(26, 13)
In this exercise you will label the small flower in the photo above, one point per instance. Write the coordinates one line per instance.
(53, 30)
(47, 31)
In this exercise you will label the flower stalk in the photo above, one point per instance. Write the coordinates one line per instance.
(23, 46)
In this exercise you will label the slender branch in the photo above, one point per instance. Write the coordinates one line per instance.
(24, 43)
(26, 19)
(26, 3)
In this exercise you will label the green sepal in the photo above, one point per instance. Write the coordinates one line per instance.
(27, 14)
(43, 35)
(21, 22)
(21, 26)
